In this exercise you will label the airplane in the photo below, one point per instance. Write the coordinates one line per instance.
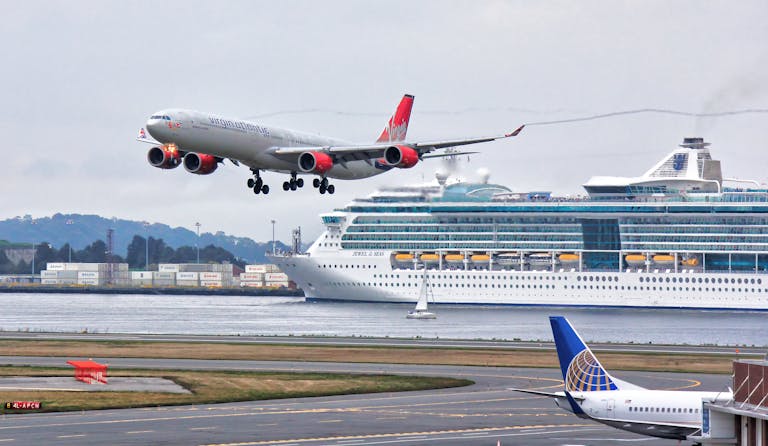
(201, 141)
(593, 393)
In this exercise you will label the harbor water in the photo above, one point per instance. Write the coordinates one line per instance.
(255, 315)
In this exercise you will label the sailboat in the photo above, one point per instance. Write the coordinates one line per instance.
(421, 312)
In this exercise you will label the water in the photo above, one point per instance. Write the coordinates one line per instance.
(248, 315)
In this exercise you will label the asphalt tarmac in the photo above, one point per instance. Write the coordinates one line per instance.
(482, 414)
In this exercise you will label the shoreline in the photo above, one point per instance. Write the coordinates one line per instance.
(171, 291)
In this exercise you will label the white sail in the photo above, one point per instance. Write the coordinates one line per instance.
(421, 304)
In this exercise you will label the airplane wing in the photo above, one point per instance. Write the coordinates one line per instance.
(372, 151)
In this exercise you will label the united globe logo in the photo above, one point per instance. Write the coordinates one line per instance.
(585, 374)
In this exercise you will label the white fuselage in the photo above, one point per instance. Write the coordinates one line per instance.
(248, 142)
(658, 413)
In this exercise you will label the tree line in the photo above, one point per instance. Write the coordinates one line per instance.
(136, 256)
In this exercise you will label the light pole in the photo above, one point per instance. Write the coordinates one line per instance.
(33, 260)
(70, 222)
(146, 246)
(197, 244)
(273, 237)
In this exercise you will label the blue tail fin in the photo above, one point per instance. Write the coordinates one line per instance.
(582, 371)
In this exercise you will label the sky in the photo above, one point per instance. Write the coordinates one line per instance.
(80, 78)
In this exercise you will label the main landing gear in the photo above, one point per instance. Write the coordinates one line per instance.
(323, 185)
(257, 184)
(293, 183)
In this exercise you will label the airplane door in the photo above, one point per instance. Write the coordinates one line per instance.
(610, 408)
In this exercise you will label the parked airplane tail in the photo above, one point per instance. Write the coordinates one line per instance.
(582, 372)
(397, 127)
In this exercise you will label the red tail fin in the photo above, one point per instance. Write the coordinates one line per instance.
(397, 126)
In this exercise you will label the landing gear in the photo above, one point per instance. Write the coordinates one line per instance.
(257, 184)
(294, 183)
(323, 185)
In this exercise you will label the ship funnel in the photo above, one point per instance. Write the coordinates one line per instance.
(694, 143)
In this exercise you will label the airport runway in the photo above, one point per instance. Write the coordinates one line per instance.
(383, 342)
(481, 414)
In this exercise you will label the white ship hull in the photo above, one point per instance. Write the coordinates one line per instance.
(371, 278)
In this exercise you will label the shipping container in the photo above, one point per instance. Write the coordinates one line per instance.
(168, 267)
(88, 275)
(90, 282)
(211, 283)
(141, 282)
(276, 277)
(163, 282)
(252, 284)
(277, 284)
(256, 268)
(187, 276)
(187, 283)
(55, 266)
(252, 276)
(159, 275)
(67, 275)
(46, 274)
(135, 275)
(49, 281)
(210, 276)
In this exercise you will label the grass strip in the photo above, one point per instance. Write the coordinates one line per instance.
(216, 387)
(658, 362)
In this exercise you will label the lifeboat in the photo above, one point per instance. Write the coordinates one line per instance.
(429, 258)
(404, 257)
(663, 259)
(691, 261)
(508, 258)
(567, 257)
(635, 259)
(540, 257)
(480, 258)
(454, 258)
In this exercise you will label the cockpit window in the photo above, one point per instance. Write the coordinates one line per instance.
(163, 117)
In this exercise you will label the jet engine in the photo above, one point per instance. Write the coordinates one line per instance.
(200, 163)
(315, 162)
(164, 157)
(403, 157)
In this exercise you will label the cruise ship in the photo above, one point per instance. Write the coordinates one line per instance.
(678, 236)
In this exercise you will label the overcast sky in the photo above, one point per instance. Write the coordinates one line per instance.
(80, 78)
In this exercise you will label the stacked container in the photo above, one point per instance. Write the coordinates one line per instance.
(95, 274)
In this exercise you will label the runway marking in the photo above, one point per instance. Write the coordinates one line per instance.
(71, 436)
(266, 424)
(330, 421)
(203, 428)
(391, 418)
(139, 432)
(3, 440)
(404, 435)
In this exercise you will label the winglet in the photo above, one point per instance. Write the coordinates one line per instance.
(582, 372)
(397, 126)
(517, 130)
